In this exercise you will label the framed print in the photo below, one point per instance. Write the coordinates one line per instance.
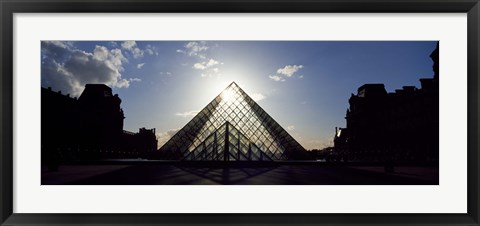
(252, 113)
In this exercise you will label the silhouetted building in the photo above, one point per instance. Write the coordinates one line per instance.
(101, 119)
(90, 127)
(141, 144)
(59, 115)
(402, 126)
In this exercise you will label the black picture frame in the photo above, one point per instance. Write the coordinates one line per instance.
(9, 7)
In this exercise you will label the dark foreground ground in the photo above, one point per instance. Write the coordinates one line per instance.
(178, 174)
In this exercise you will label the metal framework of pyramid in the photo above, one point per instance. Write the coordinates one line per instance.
(232, 127)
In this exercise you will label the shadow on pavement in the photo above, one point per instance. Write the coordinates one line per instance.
(227, 175)
(171, 174)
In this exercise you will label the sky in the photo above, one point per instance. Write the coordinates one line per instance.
(303, 85)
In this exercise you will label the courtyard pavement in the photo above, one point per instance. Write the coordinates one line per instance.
(171, 174)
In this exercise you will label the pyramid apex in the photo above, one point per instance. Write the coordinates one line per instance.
(232, 84)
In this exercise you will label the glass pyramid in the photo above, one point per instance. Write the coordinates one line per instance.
(232, 127)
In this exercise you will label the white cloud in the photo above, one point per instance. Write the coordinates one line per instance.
(206, 65)
(300, 77)
(212, 62)
(257, 97)
(61, 44)
(118, 59)
(100, 53)
(291, 127)
(194, 48)
(165, 73)
(289, 70)
(137, 53)
(165, 136)
(129, 45)
(68, 69)
(200, 50)
(132, 47)
(187, 114)
(140, 65)
(151, 50)
(134, 80)
(123, 83)
(276, 78)
(200, 66)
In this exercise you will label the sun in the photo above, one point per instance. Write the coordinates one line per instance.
(227, 95)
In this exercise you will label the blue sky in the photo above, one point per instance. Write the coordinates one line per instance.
(303, 85)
